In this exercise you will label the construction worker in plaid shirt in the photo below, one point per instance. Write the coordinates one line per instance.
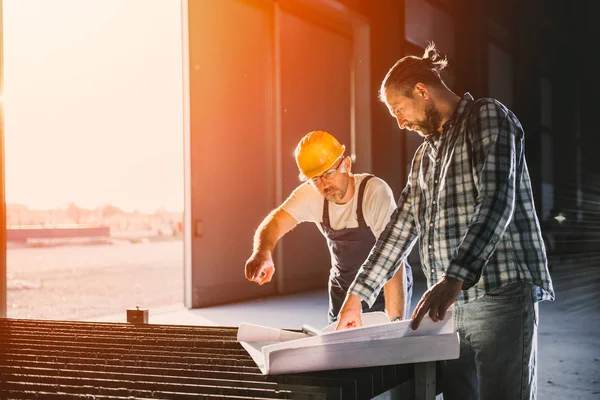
(468, 203)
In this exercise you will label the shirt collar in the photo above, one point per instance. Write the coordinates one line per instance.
(459, 111)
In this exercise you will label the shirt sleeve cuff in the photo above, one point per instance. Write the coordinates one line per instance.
(456, 271)
(366, 293)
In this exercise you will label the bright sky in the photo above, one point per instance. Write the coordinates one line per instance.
(93, 103)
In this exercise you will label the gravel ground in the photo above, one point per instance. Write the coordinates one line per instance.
(80, 282)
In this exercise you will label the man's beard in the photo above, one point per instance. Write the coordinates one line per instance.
(337, 193)
(431, 124)
(334, 196)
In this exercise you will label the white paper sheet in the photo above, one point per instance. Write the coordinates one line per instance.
(257, 333)
(377, 342)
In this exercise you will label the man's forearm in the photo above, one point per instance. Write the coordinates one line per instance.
(271, 229)
(266, 237)
(395, 292)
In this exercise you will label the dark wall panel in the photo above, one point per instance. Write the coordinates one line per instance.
(315, 67)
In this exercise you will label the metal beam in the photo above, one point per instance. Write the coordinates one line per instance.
(425, 381)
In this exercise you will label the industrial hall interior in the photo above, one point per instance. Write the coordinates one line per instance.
(159, 160)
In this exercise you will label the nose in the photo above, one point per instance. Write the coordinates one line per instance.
(402, 123)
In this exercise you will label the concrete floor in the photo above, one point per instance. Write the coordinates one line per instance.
(569, 332)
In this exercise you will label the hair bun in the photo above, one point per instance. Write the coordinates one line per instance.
(433, 58)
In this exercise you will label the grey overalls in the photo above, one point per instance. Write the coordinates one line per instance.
(349, 248)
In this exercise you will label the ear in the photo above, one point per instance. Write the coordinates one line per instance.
(346, 165)
(421, 91)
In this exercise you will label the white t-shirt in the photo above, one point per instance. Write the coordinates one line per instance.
(305, 204)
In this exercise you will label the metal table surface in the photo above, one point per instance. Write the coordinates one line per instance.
(42, 359)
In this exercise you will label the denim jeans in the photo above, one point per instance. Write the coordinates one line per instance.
(498, 347)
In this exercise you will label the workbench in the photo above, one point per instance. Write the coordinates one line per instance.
(70, 359)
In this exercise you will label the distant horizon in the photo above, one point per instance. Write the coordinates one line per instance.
(66, 205)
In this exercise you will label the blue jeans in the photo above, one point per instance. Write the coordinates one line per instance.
(409, 290)
(498, 347)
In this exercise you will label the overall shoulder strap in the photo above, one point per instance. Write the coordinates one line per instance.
(359, 205)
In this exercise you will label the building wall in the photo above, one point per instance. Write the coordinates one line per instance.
(513, 51)
(497, 49)
(259, 76)
(388, 143)
(521, 54)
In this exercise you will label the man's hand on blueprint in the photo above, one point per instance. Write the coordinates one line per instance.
(437, 300)
(349, 316)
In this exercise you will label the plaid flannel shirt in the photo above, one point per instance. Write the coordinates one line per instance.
(469, 204)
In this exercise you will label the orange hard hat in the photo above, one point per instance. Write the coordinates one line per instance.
(316, 153)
